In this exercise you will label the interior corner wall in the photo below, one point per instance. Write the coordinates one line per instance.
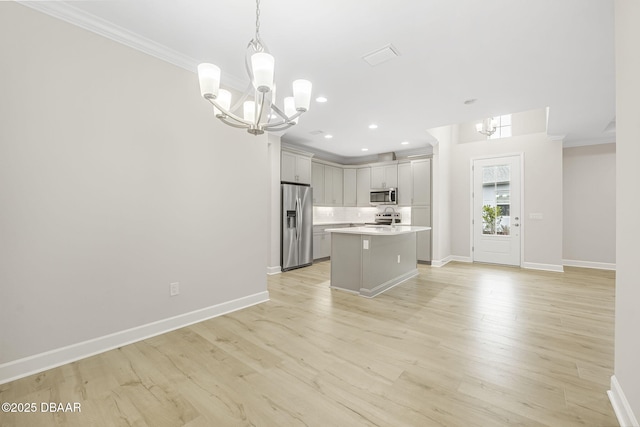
(589, 200)
(542, 195)
(627, 344)
(273, 248)
(115, 181)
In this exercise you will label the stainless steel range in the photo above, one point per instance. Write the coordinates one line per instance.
(388, 218)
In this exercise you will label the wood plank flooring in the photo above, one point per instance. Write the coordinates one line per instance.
(461, 345)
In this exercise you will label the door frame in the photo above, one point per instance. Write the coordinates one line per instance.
(519, 154)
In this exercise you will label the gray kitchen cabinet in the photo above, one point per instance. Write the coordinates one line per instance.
(405, 184)
(421, 182)
(333, 183)
(385, 176)
(321, 244)
(295, 168)
(363, 183)
(421, 216)
(317, 183)
(350, 188)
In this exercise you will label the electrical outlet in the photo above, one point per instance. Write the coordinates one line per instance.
(365, 244)
(398, 259)
(174, 288)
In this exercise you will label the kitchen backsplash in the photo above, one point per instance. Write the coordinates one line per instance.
(323, 215)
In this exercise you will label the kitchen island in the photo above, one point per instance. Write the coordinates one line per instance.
(370, 260)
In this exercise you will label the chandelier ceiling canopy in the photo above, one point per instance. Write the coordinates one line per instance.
(259, 110)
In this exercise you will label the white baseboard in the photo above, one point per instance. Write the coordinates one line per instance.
(545, 267)
(459, 258)
(274, 270)
(370, 293)
(589, 264)
(621, 406)
(51, 359)
(444, 261)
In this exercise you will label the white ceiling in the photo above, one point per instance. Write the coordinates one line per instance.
(510, 55)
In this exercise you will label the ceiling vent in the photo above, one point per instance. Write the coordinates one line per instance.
(381, 55)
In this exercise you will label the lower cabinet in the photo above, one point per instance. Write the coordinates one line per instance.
(421, 216)
(322, 240)
(321, 245)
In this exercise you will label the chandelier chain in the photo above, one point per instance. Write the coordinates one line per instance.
(257, 20)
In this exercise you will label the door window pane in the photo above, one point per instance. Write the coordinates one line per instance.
(496, 196)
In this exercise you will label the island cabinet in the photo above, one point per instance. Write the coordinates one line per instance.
(295, 168)
(370, 260)
(385, 176)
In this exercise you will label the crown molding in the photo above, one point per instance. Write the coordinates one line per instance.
(80, 18)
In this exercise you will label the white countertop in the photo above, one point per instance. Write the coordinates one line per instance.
(379, 230)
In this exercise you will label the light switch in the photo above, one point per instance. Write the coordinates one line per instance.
(365, 244)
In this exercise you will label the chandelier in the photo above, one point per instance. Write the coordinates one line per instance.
(487, 127)
(259, 110)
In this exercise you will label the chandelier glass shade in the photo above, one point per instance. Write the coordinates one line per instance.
(259, 110)
(487, 127)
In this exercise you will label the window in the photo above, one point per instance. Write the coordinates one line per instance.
(503, 127)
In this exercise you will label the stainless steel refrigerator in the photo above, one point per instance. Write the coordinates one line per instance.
(297, 226)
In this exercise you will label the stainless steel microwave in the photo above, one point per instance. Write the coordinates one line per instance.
(383, 196)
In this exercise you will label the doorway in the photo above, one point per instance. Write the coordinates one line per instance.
(496, 201)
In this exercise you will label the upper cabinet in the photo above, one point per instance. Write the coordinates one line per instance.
(332, 186)
(317, 183)
(421, 182)
(384, 176)
(405, 185)
(295, 167)
(363, 183)
(350, 192)
(327, 184)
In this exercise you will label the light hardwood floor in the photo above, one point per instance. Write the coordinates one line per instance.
(461, 345)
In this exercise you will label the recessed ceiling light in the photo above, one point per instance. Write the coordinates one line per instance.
(328, 136)
(470, 101)
(405, 143)
(365, 149)
(373, 126)
(321, 99)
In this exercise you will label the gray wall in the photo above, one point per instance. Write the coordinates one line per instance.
(627, 344)
(115, 180)
(589, 225)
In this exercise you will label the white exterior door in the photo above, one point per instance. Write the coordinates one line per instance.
(496, 210)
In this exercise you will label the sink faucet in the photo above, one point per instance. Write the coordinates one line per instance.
(394, 217)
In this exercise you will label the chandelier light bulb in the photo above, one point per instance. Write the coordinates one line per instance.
(209, 76)
(249, 110)
(290, 107)
(263, 66)
(302, 94)
(224, 99)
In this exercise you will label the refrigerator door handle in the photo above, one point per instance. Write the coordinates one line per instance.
(298, 218)
(301, 222)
